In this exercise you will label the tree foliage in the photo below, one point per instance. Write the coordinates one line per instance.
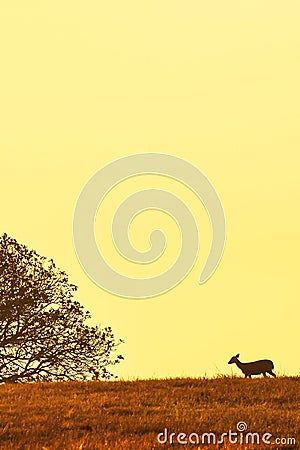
(43, 330)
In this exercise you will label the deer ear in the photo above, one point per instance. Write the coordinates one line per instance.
(238, 355)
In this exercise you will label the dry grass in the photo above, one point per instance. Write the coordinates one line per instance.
(129, 415)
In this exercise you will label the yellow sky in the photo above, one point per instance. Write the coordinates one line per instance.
(216, 83)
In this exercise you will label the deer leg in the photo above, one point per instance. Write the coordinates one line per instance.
(264, 374)
(272, 373)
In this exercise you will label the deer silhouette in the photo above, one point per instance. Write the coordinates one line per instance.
(263, 366)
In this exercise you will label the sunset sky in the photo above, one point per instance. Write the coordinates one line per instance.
(83, 83)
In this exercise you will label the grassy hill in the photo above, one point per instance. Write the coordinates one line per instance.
(130, 415)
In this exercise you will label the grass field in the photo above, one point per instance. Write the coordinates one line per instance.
(130, 414)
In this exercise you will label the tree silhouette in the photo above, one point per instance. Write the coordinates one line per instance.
(43, 330)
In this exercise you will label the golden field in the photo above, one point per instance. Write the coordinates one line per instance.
(129, 414)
